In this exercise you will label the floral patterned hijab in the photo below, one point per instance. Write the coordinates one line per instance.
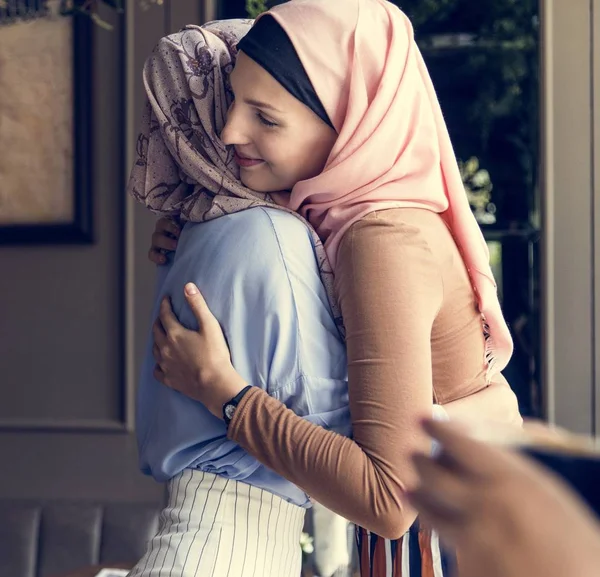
(182, 168)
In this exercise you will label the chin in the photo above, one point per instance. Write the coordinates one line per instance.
(257, 183)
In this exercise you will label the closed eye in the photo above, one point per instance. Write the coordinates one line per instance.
(265, 121)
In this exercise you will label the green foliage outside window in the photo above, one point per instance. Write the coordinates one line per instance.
(256, 7)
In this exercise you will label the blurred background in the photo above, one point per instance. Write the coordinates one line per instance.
(519, 83)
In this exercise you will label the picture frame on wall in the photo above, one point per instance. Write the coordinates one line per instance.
(46, 193)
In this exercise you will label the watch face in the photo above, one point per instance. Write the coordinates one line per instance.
(229, 411)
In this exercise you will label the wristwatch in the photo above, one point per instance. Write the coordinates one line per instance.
(230, 406)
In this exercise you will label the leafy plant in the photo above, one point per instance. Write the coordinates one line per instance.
(90, 8)
(256, 7)
(478, 186)
(307, 544)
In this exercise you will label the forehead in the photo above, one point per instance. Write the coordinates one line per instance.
(250, 78)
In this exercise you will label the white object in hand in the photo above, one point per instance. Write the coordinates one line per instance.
(439, 414)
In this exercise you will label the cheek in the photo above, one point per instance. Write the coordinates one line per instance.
(312, 154)
(294, 155)
(274, 149)
(289, 159)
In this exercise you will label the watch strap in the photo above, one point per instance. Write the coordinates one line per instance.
(230, 406)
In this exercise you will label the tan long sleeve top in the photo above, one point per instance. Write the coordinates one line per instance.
(414, 337)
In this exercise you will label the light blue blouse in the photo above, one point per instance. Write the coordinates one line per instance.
(257, 270)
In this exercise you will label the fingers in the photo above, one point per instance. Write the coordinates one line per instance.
(166, 224)
(167, 318)
(161, 244)
(461, 453)
(447, 523)
(164, 240)
(440, 491)
(158, 332)
(160, 241)
(197, 304)
(159, 374)
(168, 324)
(156, 353)
(156, 256)
(444, 497)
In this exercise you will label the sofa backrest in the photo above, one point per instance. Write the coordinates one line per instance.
(47, 539)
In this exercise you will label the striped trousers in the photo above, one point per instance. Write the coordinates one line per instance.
(416, 554)
(216, 527)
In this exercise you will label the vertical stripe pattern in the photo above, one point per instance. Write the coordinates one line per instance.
(416, 554)
(216, 527)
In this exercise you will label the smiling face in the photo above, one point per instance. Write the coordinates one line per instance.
(278, 140)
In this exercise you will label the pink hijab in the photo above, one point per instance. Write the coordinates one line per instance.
(393, 148)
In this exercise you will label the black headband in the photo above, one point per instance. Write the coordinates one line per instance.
(270, 47)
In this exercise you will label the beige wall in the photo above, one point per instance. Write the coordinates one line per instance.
(595, 51)
(571, 116)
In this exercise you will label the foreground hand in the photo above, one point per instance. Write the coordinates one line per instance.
(504, 515)
(195, 363)
(164, 239)
(495, 404)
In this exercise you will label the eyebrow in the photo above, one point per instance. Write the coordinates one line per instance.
(260, 104)
(252, 101)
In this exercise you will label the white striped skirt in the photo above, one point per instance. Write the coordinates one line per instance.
(216, 527)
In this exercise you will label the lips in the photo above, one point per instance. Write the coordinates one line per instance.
(247, 162)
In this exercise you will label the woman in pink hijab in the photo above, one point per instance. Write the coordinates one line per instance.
(335, 118)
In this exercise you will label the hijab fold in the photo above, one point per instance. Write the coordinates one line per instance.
(393, 148)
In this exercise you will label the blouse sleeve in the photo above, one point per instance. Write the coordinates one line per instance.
(390, 291)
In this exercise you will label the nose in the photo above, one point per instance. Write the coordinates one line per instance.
(234, 131)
